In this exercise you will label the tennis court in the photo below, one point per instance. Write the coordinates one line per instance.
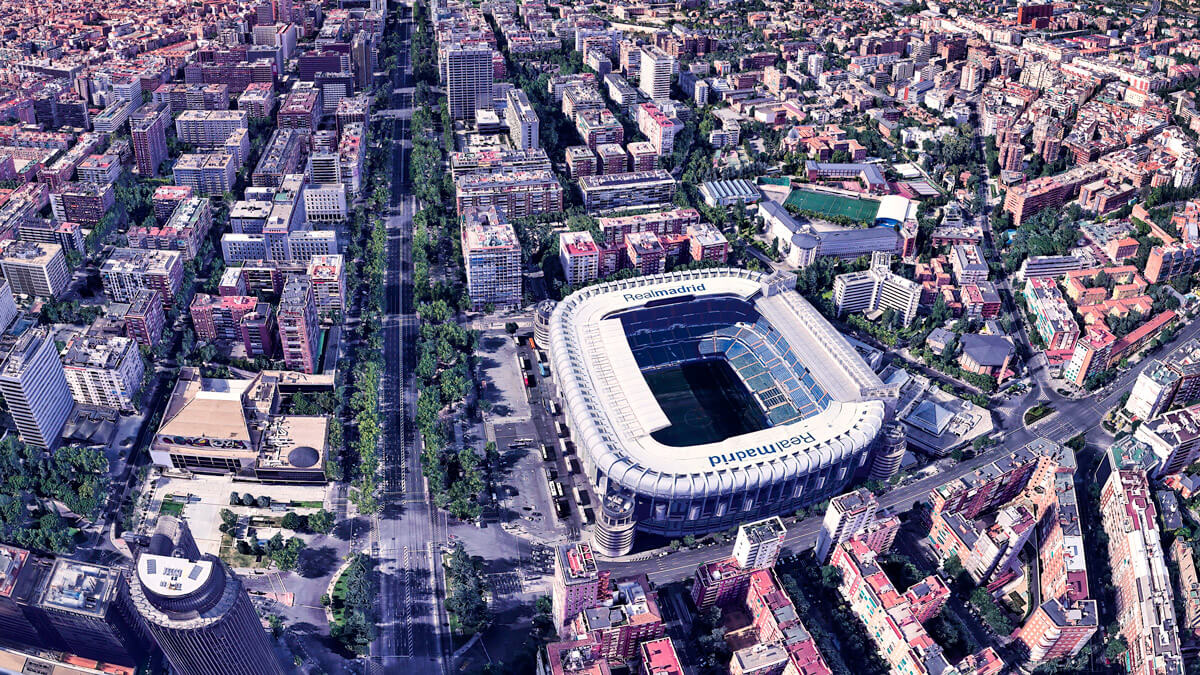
(862, 210)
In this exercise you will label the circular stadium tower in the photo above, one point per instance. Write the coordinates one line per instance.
(708, 398)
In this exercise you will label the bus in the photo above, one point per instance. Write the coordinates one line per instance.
(588, 516)
(525, 364)
(581, 496)
(562, 509)
(547, 453)
(530, 342)
(573, 464)
(562, 429)
(564, 446)
(552, 406)
(556, 489)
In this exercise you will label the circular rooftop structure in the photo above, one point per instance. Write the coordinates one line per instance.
(303, 456)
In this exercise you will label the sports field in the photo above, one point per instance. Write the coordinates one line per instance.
(706, 403)
(862, 210)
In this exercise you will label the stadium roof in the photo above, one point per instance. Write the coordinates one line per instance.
(614, 411)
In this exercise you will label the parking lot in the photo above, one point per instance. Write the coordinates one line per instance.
(537, 480)
(503, 388)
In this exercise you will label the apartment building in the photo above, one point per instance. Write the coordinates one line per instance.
(627, 190)
(209, 128)
(658, 127)
(299, 329)
(219, 317)
(523, 123)
(515, 193)
(35, 269)
(492, 255)
(104, 372)
(328, 276)
(1053, 318)
(208, 174)
(148, 133)
(1145, 605)
(129, 270)
(579, 257)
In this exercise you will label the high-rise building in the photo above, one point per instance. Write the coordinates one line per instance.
(148, 132)
(35, 389)
(197, 610)
(877, 288)
(654, 74)
(35, 269)
(492, 255)
(523, 123)
(299, 329)
(758, 543)
(847, 515)
(105, 372)
(628, 617)
(467, 71)
(8, 305)
(86, 606)
(578, 583)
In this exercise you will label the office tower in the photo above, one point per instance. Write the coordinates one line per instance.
(492, 255)
(104, 372)
(8, 305)
(523, 123)
(846, 516)
(877, 288)
(196, 609)
(758, 543)
(148, 131)
(578, 583)
(299, 332)
(467, 70)
(19, 576)
(35, 269)
(35, 389)
(654, 76)
(86, 606)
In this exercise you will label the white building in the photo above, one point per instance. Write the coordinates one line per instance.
(654, 76)
(877, 288)
(579, 256)
(523, 124)
(326, 203)
(846, 516)
(492, 255)
(757, 545)
(104, 372)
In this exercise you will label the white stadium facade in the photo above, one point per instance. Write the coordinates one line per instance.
(820, 407)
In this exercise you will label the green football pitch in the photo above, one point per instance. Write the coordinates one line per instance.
(863, 210)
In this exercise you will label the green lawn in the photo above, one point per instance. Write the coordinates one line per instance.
(171, 508)
(306, 505)
(1038, 412)
(862, 210)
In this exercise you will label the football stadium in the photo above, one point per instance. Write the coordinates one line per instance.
(698, 400)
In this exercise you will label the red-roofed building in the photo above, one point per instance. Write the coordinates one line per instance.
(659, 658)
